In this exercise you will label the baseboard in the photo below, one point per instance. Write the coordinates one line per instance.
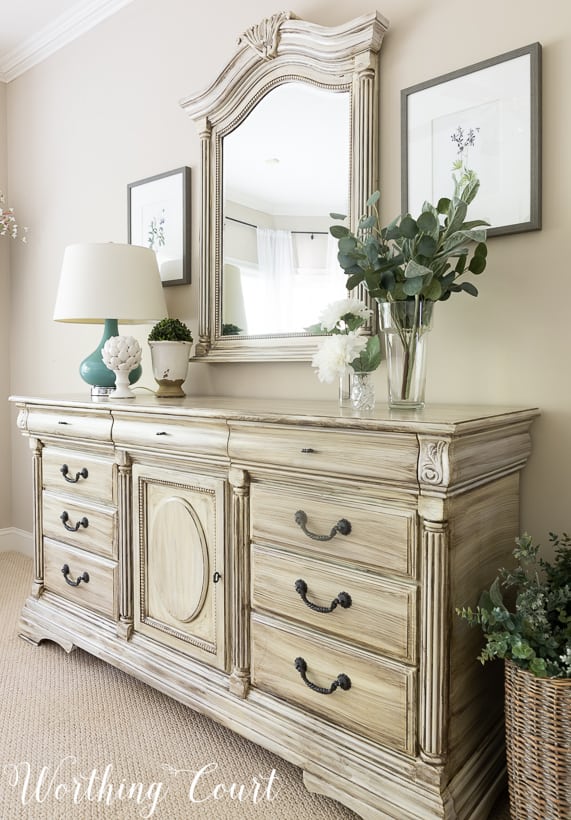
(15, 540)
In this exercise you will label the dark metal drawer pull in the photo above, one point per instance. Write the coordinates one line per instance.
(342, 526)
(307, 450)
(83, 522)
(161, 433)
(341, 681)
(64, 470)
(83, 577)
(343, 599)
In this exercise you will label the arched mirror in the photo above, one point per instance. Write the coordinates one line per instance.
(289, 134)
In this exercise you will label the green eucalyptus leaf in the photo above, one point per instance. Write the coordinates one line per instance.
(443, 205)
(427, 246)
(339, 231)
(414, 269)
(412, 287)
(347, 244)
(468, 287)
(366, 222)
(375, 196)
(338, 216)
(427, 222)
(354, 280)
(408, 227)
(433, 291)
(477, 264)
(461, 264)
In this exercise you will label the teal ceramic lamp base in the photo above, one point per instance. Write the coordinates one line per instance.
(93, 369)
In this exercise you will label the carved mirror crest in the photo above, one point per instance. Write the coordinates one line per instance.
(289, 134)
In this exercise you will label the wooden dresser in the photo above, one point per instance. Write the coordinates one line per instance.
(292, 571)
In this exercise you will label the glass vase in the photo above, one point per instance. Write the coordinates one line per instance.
(363, 391)
(345, 384)
(405, 325)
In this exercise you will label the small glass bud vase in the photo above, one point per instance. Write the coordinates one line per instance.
(363, 392)
(345, 385)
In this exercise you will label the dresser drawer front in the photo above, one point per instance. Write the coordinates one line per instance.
(379, 614)
(84, 525)
(99, 593)
(380, 537)
(380, 703)
(77, 474)
(201, 437)
(66, 423)
(389, 457)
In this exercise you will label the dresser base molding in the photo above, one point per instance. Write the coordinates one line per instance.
(370, 780)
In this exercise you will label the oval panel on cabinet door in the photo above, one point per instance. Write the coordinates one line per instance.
(180, 548)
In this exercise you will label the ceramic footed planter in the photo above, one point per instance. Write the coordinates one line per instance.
(170, 367)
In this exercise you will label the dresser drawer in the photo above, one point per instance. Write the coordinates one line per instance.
(378, 613)
(380, 703)
(84, 525)
(204, 437)
(76, 474)
(391, 457)
(379, 537)
(93, 425)
(98, 593)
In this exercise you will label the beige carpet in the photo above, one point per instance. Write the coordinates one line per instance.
(67, 719)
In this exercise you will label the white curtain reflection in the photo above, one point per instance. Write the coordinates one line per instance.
(277, 270)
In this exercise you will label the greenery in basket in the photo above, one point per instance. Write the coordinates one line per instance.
(170, 330)
(533, 631)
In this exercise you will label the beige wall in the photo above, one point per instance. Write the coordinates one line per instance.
(5, 417)
(104, 111)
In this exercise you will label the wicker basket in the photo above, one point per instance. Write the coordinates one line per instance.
(538, 745)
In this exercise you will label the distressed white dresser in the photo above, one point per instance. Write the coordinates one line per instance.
(293, 573)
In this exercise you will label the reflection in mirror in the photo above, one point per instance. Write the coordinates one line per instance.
(286, 168)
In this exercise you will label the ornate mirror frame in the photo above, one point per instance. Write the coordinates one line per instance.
(280, 49)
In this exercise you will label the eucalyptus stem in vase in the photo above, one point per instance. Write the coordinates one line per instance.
(407, 266)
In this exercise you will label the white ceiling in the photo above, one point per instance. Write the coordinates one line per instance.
(31, 30)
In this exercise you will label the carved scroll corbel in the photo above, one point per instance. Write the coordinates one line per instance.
(264, 37)
(433, 462)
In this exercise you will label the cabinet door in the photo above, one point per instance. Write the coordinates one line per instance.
(179, 577)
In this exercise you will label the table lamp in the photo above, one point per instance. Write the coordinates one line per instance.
(107, 283)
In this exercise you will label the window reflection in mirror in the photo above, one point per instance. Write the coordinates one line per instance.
(286, 168)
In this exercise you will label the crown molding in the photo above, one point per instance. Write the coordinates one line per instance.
(67, 27)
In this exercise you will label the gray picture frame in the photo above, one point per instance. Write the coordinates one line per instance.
(512, 154)
(158, 216)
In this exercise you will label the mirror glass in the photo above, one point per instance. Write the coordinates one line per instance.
(286, 167)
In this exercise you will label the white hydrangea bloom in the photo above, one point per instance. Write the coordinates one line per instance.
(336, 353)
(331, 315)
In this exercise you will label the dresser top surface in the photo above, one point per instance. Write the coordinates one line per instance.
(434, 418)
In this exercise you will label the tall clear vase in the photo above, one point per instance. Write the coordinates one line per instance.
(405, 325)
(345, 383)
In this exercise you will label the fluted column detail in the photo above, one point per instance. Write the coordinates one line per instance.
(240, 564)
(124, 496)
(434, 636)
(205, 244)
(38, 582)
